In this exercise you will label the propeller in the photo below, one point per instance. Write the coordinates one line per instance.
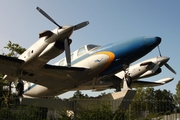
(81, 25)
(167, 66)
(159, 51)
(67, 52)
(76, 27)
(66, 41)
(48, 17)
(170, 68)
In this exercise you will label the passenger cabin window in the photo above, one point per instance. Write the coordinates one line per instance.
(72, 56)
(81, 51)
(61, 63)
(90, 47)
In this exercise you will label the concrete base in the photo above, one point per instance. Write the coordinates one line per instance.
(120, 99)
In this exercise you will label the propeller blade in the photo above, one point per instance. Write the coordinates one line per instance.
(170, 68)
(159, 51)
(47, 16)
(67, 52)
(81, 25)
(156, 67)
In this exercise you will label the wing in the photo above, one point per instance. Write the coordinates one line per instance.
(9, 65)
(53, 77)
(140, 83)
(49, 76)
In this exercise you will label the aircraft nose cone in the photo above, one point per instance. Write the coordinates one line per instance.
(158, 40)
(153, 41)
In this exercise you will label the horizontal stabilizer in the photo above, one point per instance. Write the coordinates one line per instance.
(165, 80)
(140, 83)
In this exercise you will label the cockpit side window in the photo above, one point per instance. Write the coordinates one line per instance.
(81, 51)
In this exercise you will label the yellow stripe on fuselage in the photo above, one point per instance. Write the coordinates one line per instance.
(111, 58)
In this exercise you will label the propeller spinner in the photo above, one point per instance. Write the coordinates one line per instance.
(66, 40)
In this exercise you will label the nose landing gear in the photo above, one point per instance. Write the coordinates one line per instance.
(127, 81)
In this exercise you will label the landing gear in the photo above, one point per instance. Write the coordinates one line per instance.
(118, 87)
(20, 88)
(123, 80)
(127, 80)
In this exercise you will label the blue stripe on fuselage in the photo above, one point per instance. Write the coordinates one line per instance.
(30, 87)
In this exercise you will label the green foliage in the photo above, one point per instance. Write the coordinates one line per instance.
(122, 115)
(20, 113)
(156, 102)
(14, 49)
(78, 95)
(12, 109)
(154, 115)
(64, 115)
(96, 112)
(1, 85)
(177, 95)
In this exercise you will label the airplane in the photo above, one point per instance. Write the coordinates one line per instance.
(89, 63)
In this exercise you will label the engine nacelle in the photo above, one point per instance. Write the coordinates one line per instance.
(150, 73)
(57, 34)
(51, 51)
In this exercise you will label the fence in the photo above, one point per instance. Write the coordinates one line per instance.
(79, 109)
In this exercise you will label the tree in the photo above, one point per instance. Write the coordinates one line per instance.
(96, 112)
(78, 95)
(165, 101)
(156, 102)
(14, 51)
(177, 96)
(1, 85)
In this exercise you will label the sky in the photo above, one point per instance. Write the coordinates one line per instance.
(110, 21)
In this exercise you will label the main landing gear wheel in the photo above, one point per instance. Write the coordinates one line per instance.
(118, 87)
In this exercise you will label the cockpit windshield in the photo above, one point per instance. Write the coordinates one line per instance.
(78, 53)
(90, 47)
